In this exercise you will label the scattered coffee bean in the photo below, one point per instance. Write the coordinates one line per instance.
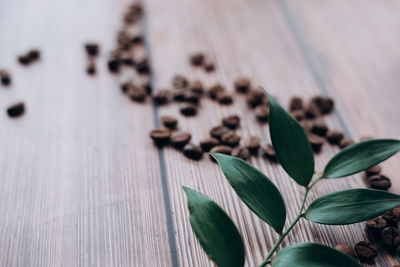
(373, 170)
(296, 103)
(232, 121)
(346, 249)
(161, 97)
(319, 128)
(137, 39)
(143, 66)
(396, 213)
(345, 143)
(189, 110)
(376, 225)
(327, 106)
(316, 142)
(224, 98)
(307, 125)
(242, 85)
(137, 93)
(219, 131)
(334, 137)
(160, 136)
(16, 110)
(209, 66)
(126, 86)
(208, 143)
(366, 251)
(380, 182)
(34, 55)
(311, 111)
(5, 77)
(179, 82)
(169, 122)
(92, 49)
(197, 87)
(192, 97)
(253, 144)
(230, 139)
(390, 236)
(391, 217)
(179, 95)
(197, 59)
(262, 113)
(24, 59)
(241, 152)
(179, 139)
(255, 97)
(221, 149)
(91, 68)
(127, 60)
(192, 151)
(298, 114)
(113, 64)
(215, 90)
(269, 153)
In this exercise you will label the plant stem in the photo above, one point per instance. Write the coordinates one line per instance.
(267, 258)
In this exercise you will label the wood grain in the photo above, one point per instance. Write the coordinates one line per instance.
(81, 183)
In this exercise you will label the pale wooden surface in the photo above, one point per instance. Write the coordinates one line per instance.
(81, 183)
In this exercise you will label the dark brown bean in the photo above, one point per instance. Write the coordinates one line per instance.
(345, 143)
(373, 170)
(262, 113)
(269, 153)
(34, 55)
(126, 86)
(189, 110)
(366, 251)
(334, 137)
(241, 152)
(220, 149)
(161, 97)
(91, 68)
(298, 114)
(192, 97)
(396, 213)
(92, 49)
(311, 111)
(197, 59)
(137, 93)
(192, 151)
(113, 64)
(208, 143)
(160, 136)
(230, 139)
(327, 105)
(255, 97)
(24, 59)
(232, 121)
(391, 218)
(316, 142)
(179, 139)
(218, 131)
(346, 249)
(214, 90)
(169, 121)
(319, 128)
(253, 144)
(242, 85)
(5, 77)
(16, 110)
(209, 66)
(179, 95)
(224, 98)
(197, 87)
(137, 39)
(307, 125)
(296, 103)
(377, 224)
(390, 236)
(380, 182)
(179, 82)
(143, 66)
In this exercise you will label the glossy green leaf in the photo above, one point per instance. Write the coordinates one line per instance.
(351, 206)
(291, 144)
(215, 231)
(255, 189)
(312, 255)
(360, 156)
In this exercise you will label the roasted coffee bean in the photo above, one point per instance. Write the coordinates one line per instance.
(242, 85)
(391, 218)
(262, 113)
(91, 68)
(215, 90)
(113, 64)
(227, 150)
(319, 128)
(143, 66)
(16, 110)
(390, 236)
(232, 121)
(179, 139)
(209, 66)
(24, 59)
(224, 98)
(34, 55)
(179, 95)
(137, 39)
(296, 103)
(255, 97)
(208, 143)
(327, 105)
(365, 251)
(92, 49)
(197, 59)
(127, 60)
(219, 131)
(373, 170)
(396, 213)
(192, 151)
(192, 97)
(189, 110)
(137, 93)
(179, 82)
(148, 87)
(169, 122)
(298, 114)
(230, 139)
(197, 87)
(307, 125)
(269, 153)
(160, 136)
(334, 137)
(5, 77)
(376, 225)
(345, 143)
(241, 152)
(126, 86)
(346, 249)
(380, 182)
(161, 97)
(253, 144)
(316, 142)
(311, 111)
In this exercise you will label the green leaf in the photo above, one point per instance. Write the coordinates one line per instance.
(360, 156)
(291, 144)
(255, 189)
(351, 206)
(215, 231)
(312, 255)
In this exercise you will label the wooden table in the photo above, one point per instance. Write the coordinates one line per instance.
(81, 183)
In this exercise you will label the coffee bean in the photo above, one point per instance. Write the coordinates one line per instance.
(113, 64)
(242, 85)
(209, 66)
(214, 90)
(296, 103)
(160, 136)
(255, 97)
(208, 143)
(224, 98)
(220, 149)
(230, 139)
(269, 153)
(396, 213)
(373, 170)
(334, 137)
(24, 59)
(91, 68)
(346, 249)
(391, 218)
(298, 114)
(376, 225)
(126, 86)
(92, 49)
(169, 122)
(232, 121)
(262, 113)
(253, 144)
(179, 139)
(161, 97)
(197, 59)
(366, 251)
(327, 105)
(137, 39)
(16, 110)
(191, 97)
(179, 82)
(179, 95)
(311, 111)
(380, 182)
(143, 66)
(197, 87)
(319, 128)
(390, 236)
(345, 143)
(137, 93)
(5, 77)
(316, 142)
(189, 110)
(127, 59)
(219, 131)
(192, 151)
(317, 100)
(34, 55)
(241, 152)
